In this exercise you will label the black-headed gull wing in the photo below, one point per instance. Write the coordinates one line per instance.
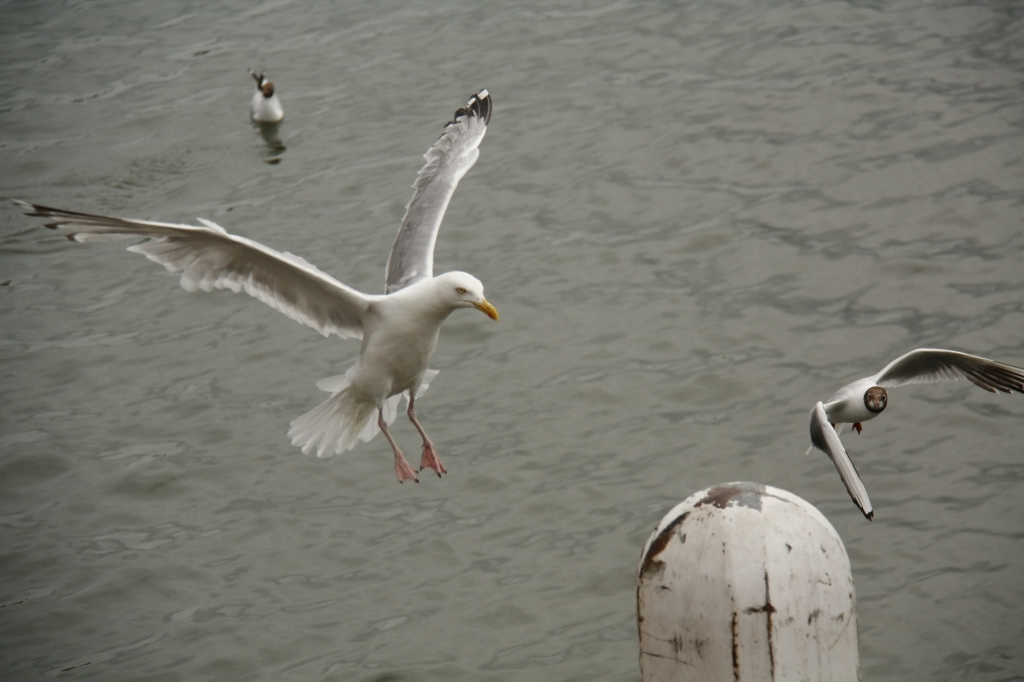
(454, 153)
(825, 438)
(928, 365)
(208, 257)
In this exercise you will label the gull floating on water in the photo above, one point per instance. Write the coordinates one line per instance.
(867, 398)
(266, 106)
(399, 329)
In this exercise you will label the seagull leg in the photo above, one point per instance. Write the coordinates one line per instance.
(402, 468)
(857, 427)
(429, 460)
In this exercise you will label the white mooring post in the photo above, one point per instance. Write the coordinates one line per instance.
(744, 582)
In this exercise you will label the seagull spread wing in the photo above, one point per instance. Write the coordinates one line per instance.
(825, 438)
(928, 365)
(454, 153)
(208, 257)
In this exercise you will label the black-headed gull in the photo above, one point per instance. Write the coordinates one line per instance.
(266, 106)
(866, 398)
(399, 329)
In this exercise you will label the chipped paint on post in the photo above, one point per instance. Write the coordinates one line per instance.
(744, 582)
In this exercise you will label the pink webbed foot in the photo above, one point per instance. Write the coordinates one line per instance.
(403, 470)
(857, 427)
(430, 459)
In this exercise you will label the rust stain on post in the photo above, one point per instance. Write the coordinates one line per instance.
(742, 495)
(658, 546)
(735, 647)
(768, 611)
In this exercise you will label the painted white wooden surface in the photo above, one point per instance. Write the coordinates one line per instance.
(744, 582)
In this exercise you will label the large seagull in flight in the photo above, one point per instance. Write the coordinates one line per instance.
(399, 329)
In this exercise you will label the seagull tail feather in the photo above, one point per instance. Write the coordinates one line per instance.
(334, 426)
(345, 419)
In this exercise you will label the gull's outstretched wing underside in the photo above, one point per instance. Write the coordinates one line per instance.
(928, 365)
(825, 438)
(209, 258)
(454, 153)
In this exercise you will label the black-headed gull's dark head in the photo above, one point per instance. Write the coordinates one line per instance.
(875, 399)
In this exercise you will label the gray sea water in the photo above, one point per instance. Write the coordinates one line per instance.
(696, 219)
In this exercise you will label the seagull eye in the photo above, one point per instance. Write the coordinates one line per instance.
(460, 290)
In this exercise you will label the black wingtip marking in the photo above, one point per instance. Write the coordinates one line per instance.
(61, 215)
(33, 210)
(479, 105)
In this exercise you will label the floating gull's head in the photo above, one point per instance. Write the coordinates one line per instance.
(267, 88)
(875, 399)
(463, 290)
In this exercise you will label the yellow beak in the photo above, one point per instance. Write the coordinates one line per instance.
(487, 309)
